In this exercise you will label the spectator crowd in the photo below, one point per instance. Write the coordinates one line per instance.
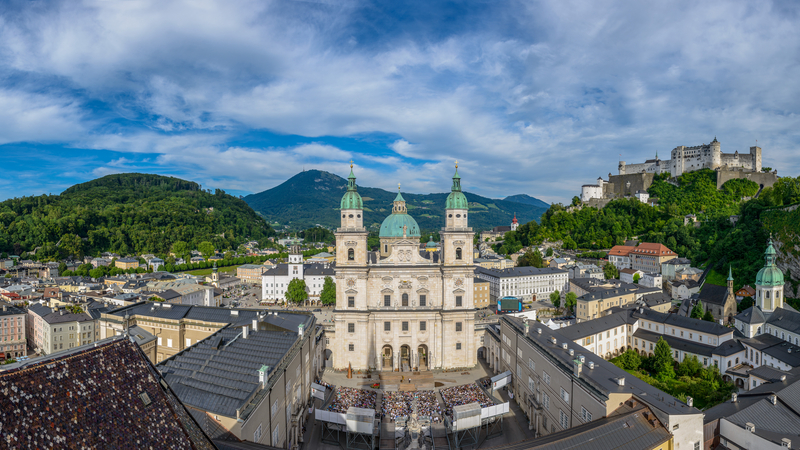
(346, 397)
(463, 395)
(400, 404)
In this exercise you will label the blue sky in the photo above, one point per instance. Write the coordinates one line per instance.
(534, 97)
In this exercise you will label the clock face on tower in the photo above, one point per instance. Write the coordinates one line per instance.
(459, 282)
(351, 282)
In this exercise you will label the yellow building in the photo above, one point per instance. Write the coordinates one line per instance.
(480, 288)
(126, 263)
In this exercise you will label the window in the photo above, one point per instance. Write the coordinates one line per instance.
(531, 384)
(257, 434)
(564, 395)
(423, 301)
(458, 253)
(586, 415)
(546, 400)
(351, 328)
(405, 299)
(697, 445)
(422, 326)
(385, 248)
(351, 302)
(531, 364)
(519, 352)
(387, 326)
(458, 301)
(275, 408)
(351, 255)
(458, 345)
(519, 371)
(188, 342)
(546, 377)
(275, 436)
(458, 326)
(351, 347)
(387, 300)
(564, 419)
(169, 343)
(544, 422)
(405, 326)
(159, 342)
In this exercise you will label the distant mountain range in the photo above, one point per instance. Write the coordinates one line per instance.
(312, 197)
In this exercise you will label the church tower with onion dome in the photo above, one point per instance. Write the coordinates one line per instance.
(769, 283)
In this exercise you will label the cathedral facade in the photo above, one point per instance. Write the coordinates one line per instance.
(403, 307)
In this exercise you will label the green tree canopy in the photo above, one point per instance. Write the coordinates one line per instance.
(662, 360)
(708, 316)
(181, 249)
(636, 277)
(570, 301)
(296, 292)
(697, 311)
(207, 249)
(629, 360)
(689, 367)
(555, 299)
(328, 294)
(610, 271)
(549, 252)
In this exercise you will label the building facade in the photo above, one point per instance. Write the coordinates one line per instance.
(401, 308)
(528, 283)
(13, 329)
(275, 281)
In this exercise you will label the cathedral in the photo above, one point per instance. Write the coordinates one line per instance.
(403, 307)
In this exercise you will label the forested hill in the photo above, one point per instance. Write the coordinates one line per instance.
(717, 240)
(313, 197)
(126, 214)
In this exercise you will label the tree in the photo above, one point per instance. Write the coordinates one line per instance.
(689, 367)
(697, 311)
(555, 298)
(662, 361)
(71, 246)
(570, 301)
(531, 259)
(207, 249)
(610, 271)
(636, 277)
(630, 360)
(328, 294)
(576, 201)
(708, 316)
(744, 304)
(549, 252)
(97, 273)
(181, 249)
(296, 292)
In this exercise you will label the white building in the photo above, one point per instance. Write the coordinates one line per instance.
(652, 280)
(275, 281)
(528, 283)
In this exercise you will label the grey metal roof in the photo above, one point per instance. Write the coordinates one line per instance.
(603, 377)
(682, 322)
(751, 315)
(607, 293)
(773, 422)
(519, 271)
(675, 342)
(627, 430)
(223, 380)
(711, 293)
(762, 341)
(594, 326)
(10, 310)
(786, 352)
(729, 347)
(768, 373)
(656, 298)
(785, 319)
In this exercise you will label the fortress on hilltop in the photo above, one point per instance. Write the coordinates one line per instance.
(688, 159)
(633, 180)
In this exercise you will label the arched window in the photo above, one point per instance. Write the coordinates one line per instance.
(737, 360)
(458, 253)
(351, 254)
(729, 363)
(405, 299)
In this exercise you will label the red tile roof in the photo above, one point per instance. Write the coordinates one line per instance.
(620, 250)
(647, 248)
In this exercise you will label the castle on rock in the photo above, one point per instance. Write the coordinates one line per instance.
(403, 307)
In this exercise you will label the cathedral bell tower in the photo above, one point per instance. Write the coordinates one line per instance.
(769, 283)
(456, 234)
(351, 237)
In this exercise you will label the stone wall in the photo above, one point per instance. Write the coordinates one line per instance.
(617, 186)
(765, 179)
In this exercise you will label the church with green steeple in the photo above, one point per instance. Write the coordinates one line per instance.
(405, 305)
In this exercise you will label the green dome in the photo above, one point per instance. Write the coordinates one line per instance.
(456, 199)
(392, 226)
(770, 274)
(431, 244)
(351, 199)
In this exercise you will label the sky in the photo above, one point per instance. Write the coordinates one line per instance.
(534, 97)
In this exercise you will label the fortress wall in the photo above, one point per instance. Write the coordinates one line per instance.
(617, 185)
(767, 179)
(744, 160)
(636, 168)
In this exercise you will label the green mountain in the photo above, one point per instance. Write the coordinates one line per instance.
(312, 197)
(126, 213)
(528, 200)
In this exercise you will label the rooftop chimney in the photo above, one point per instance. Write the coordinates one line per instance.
(553, 340)
(749, 426)
(564, 345)
(590, 364)
(527, 327)
(255, 325)
(734, 397)
(786, 443)
(582, 358)
(571, 352)
(539, 330)
(577, 368)
(263, 374)
(621, 381)
(689, 401)
(245, 331)
(773, 399)
(300, 329)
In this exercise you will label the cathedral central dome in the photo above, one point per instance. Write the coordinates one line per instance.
(392, 226)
